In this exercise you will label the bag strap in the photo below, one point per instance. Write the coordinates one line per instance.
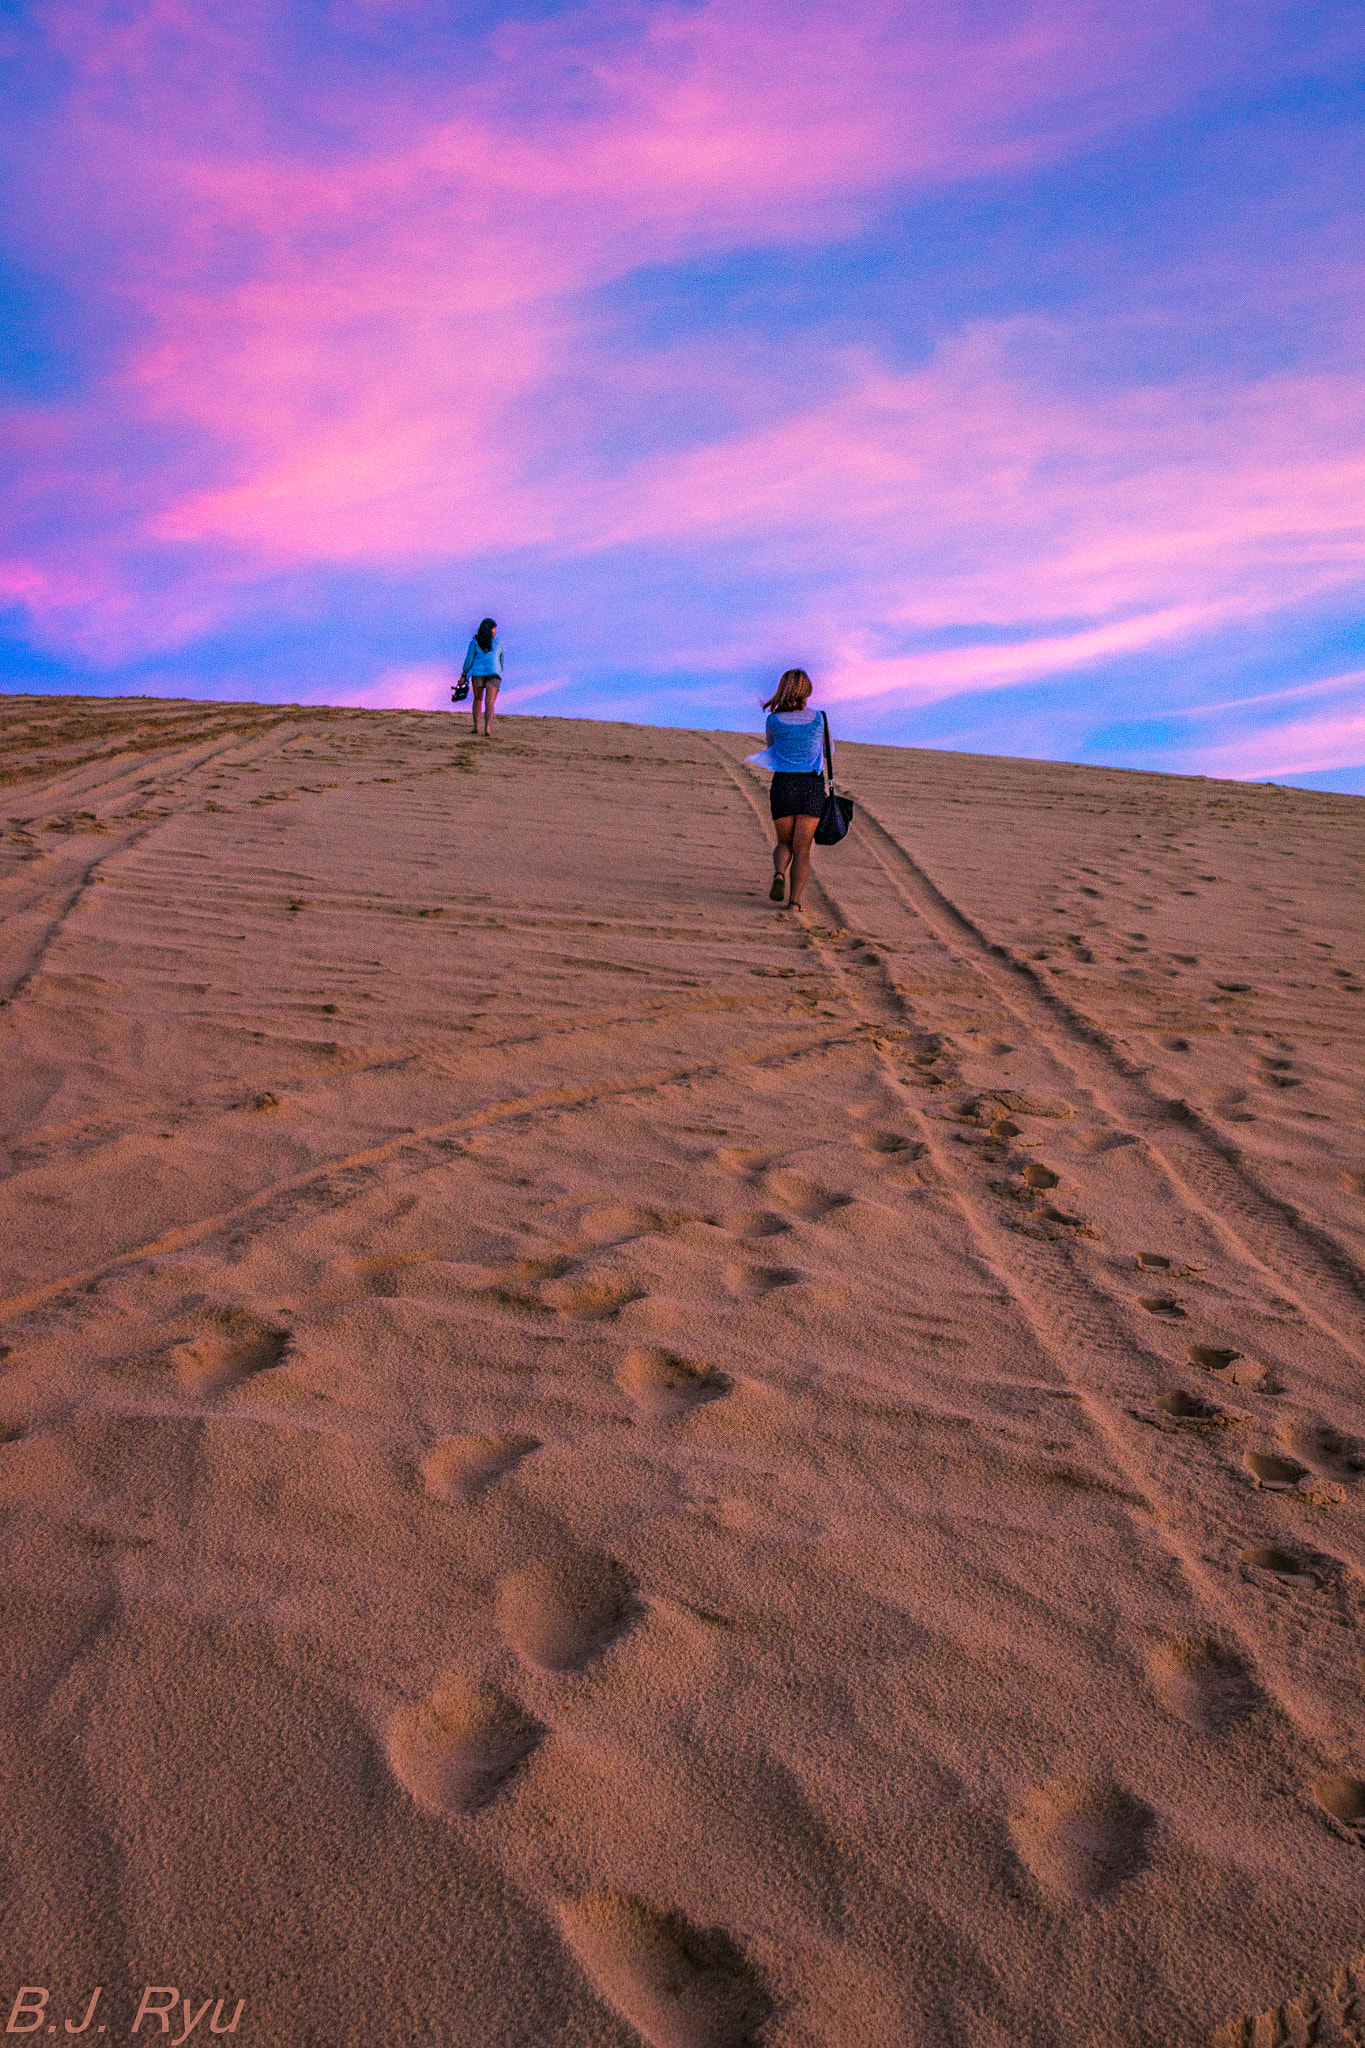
(829, 750)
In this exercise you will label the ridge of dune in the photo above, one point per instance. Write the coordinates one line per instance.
(585, 1460)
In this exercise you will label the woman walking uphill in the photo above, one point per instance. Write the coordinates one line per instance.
(483, 667)
(795, 753)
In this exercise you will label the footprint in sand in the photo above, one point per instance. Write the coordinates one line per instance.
(1275, 1475)
(1343, 1798)
(749, 1282)
(1040, 1177)
(462, 1467)
(456, 1749)
(1004, 1127)
(679, 1986)
(1155, 1260)
(1012, 1103)
(553, 1266)
(1203, 1684)
(1084, 1839)
(1231, 1367)
(1212, 1357)
(1343, 1455)
(1282, 1564)
(742, 1158)
(888, 1142)
(208, 1365)
(752, 1223)
(620, 1223)
(662, 1385)
(802, 1197)
(562, 1611)
(593, 1299)
(1183, 1407)
(1163, 1305)
(1047, 1214)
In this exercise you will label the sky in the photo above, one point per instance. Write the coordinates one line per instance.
(998, 361)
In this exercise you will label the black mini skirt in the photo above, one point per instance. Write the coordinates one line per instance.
(798, 796)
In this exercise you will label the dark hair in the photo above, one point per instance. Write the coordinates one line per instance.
(484, 636)
(791, 692)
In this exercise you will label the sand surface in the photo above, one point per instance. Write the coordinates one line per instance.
(587, 1462)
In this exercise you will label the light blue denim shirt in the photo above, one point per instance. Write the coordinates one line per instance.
(477, 663)
(796, 743)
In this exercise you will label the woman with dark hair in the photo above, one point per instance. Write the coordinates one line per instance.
(795, 753)
(483, 668)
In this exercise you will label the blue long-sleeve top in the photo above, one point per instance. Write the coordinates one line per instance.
(479, 663)
(796, 743)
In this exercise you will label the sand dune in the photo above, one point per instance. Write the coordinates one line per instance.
(587, 1462)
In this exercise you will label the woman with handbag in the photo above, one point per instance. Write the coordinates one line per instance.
(795, 752)
(482, 671)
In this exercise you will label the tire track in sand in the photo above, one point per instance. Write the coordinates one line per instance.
(1067, 1313)
(1268, 1238)
(1267, 1235)
(415, 1142)
(68, 894)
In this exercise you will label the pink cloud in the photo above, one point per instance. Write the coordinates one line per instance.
(414, 686)
(1305, 746)
(426, 685)
(1321, 686)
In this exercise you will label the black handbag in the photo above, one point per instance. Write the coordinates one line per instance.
(837, 815)
(460, 692)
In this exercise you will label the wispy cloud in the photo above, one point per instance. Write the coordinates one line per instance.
(1351, 683)
(1304, 746)
(419, 686)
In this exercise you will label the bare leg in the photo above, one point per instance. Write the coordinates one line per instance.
(488, 703)
(476, 690)
(803, 834)
(782, 851)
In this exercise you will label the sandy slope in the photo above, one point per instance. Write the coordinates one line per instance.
(561, 1483)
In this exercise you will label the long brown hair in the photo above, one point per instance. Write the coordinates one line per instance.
(791, 692)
